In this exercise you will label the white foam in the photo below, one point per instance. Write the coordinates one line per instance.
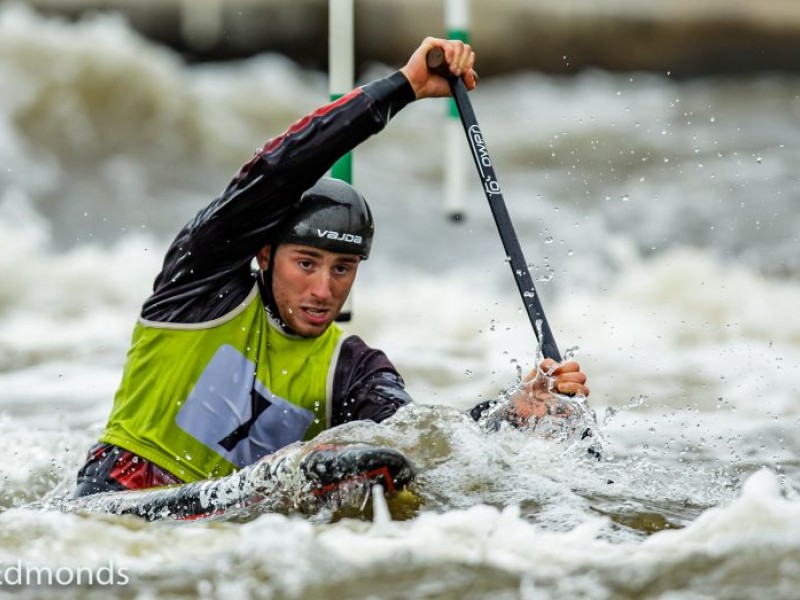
(275, 553)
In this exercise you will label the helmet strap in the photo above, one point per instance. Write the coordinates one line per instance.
(267, 295)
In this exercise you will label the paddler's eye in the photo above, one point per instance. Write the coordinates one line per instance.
(341, 269)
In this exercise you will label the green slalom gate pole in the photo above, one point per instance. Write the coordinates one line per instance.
(341, 65)
(340, 68)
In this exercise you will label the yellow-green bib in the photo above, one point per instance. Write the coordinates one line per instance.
(204, 399)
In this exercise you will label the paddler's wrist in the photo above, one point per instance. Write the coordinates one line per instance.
(394, 89)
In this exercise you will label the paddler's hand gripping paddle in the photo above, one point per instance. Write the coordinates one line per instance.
(491, 188)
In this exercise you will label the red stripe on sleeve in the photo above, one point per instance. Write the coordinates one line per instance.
(298, 126)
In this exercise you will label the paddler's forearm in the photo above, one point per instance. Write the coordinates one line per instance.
(301, 155)
(292, 162)
(391, 94)
(266, 188)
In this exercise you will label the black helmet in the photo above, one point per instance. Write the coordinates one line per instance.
(333, 216)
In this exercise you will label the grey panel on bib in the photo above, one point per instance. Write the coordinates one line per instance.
(235, 415)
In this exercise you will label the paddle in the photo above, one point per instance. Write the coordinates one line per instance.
(491, 188)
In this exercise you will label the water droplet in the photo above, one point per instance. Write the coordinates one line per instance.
(547, 274)
(636, 401)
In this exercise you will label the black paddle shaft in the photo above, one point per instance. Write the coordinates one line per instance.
(483, 162)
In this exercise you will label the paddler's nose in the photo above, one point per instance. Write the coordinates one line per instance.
(321, 285)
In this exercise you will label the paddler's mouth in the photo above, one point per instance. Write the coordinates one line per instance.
(316, 314)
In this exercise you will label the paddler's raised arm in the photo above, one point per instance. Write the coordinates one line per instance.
(230, 230)
(238, 223)
(287, 165)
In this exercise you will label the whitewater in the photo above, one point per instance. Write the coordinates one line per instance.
(659, 218)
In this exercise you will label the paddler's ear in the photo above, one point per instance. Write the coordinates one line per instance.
(263, 257)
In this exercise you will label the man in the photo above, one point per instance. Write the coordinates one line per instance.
(227, 365)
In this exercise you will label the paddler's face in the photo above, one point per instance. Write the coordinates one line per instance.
(309, 285)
